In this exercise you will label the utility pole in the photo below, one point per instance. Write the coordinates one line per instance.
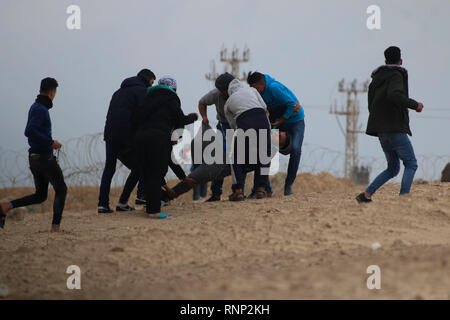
(233, 61)
(351, 111)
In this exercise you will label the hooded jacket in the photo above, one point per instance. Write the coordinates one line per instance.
(241, 98)
(281, 101)
(118, 121)
(39, 126)
(159, 114)
(388, 101)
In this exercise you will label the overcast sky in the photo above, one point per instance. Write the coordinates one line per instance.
(307, 45)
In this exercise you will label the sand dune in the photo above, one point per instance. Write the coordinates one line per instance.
(316, 244)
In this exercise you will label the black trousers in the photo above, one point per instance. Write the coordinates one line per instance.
(153, 155)
(45, 170)
(255, 119)
(127, 155)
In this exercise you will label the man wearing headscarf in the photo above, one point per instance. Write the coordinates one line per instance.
(153, 124)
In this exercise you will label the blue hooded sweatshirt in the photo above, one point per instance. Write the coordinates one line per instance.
(39, 127)
(281, 101)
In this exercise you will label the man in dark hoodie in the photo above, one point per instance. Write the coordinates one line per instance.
(119, 140)
(389, 121)
(43, 164)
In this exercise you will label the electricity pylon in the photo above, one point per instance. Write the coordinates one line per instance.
(351, 111)
(233, 61)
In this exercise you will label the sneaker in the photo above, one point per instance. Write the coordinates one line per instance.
(140, 202)
(213, 198)
(103, 210)
(361, 198)
(121, 207)
(288, 190)
(252, 195)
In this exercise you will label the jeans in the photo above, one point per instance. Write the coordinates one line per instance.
(200, 190)
(396, 147)
(45, 170)
(216, 185)
(253, 119)
(268, 187)
(297, 131)
(127, 156)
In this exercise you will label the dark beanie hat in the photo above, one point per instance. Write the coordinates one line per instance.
(392, 55)
(223, 81)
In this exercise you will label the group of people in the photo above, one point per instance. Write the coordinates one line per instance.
(142, 117)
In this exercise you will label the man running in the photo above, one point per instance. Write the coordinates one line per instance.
(389, 121)
(43, 164)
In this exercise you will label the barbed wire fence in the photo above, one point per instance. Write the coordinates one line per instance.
(82, 161)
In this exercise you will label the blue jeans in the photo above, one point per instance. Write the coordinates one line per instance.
(396, 147)
(201, 190)
(297, 131)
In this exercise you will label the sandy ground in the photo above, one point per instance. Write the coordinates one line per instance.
(313, 245)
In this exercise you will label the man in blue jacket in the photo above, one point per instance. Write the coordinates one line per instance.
(43, 164)
(119, 140)
(286, 114)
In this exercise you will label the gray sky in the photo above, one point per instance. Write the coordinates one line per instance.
(307, 45)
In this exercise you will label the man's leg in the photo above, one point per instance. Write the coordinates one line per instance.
(203, 174)
(56, 178)
(41, 185)
(108, 173)
(405, 151)
(130, 183)
(196, 193)
(393, 165)
(154, 170)
(297, 132)
(203, 190)
(216, 185)
(140, 191)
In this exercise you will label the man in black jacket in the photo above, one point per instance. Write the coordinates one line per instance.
(119, 139)
(153, 124)
(389, 120)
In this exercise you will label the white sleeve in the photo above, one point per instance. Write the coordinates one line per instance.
(229, 116)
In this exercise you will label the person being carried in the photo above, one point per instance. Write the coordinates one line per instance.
(43, 164)
(389, 105)
(205, 173)
(153, 124)
(289, 117)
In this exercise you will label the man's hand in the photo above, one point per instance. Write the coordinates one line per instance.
(278, 123)
(194, 114)
(205, 121)
(297, 107)
(190, 182)
(56, 145)
(172, 194)
(419, 107)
